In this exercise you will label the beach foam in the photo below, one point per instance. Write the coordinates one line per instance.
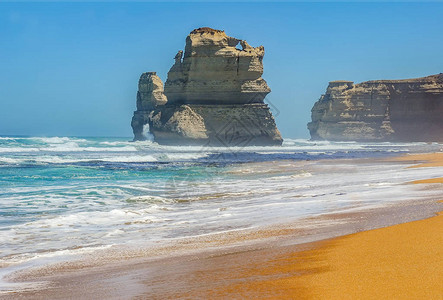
(122, 193)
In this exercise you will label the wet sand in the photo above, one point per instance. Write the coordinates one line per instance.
(397, 262)
(282, 268)
(423, 160)
(431, 180)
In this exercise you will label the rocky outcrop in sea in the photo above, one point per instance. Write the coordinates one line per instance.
(381, 110)
(214, 95)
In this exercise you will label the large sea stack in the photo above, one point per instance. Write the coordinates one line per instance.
(409, 110)
(214, 95)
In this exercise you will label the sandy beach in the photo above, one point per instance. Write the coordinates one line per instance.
(363, 255)
(219, 150)
(423, 160)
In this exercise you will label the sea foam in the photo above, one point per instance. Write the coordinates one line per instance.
(60, 194)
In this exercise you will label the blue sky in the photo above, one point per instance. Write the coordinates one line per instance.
(71, 69)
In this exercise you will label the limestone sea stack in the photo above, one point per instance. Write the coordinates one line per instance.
(409, 110)
(214, 95)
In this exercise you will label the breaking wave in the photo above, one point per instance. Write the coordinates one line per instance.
(63, 194)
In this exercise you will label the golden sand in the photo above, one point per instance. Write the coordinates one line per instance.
(432, 180)
(423, 160)
(404, 261)
(398, 262)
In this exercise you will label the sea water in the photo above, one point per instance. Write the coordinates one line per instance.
(61, 195)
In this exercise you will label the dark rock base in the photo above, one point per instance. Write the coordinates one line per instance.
(211, 125)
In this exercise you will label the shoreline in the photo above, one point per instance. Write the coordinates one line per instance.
(144, 278)
(402, 261)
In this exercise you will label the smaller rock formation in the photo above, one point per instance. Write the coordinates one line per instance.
(150, 91)
(214, 95)
(380, 110)
(150, 94)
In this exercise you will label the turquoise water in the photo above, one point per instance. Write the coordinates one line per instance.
(60, 194)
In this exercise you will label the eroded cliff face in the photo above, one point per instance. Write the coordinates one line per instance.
(214, 95)
(214, 71)
(380, 110)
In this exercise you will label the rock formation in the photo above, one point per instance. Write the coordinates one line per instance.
(149, 96)
(214, 71)
(150, 91)
(380, 110)
(214, 95)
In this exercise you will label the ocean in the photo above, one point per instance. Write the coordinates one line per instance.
(61, 197)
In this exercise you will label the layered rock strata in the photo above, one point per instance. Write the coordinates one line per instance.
(214, 71)
(380, 110)
(214, 95)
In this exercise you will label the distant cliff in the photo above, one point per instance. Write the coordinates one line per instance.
(380, 110)
(214, 95)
